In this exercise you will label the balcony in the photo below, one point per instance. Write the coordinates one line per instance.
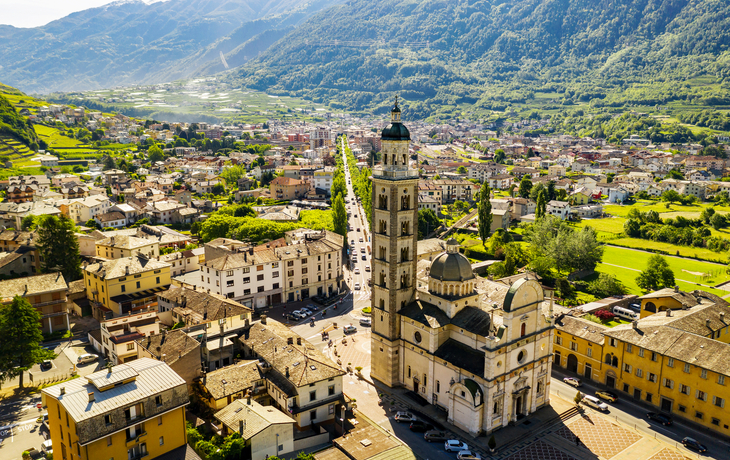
(136, 438)
(400, 174)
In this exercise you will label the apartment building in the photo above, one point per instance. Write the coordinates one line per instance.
(301, 381)
(81, 210)
(456, 189)
(119, 286)
(119, 335)
(22, 254)
(322, 178)
(47, 293)
(483, 171)
(311, 261)
(130, 411)
(117, 247)
(285, 188)
(184, 261)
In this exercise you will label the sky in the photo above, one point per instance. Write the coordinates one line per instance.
(34, 13)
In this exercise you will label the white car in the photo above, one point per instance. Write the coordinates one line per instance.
(572, 381)
(361, 240)
(357, 271)
(401, 417)
(357, 286)
(306, 311)
(367, 268)
(298, 314)
(454, 445)
(47, 447)
(349, 329)
(87, 358)
(467, 455)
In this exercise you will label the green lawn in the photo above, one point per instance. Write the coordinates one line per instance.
(54, 138)
(672, 249)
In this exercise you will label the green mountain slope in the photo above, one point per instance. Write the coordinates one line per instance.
(488, 54)
(16, 132)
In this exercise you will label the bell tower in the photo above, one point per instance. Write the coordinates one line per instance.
(395, 236)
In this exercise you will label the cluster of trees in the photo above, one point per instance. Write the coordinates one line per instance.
(656, 275)
(239, 222)
(679, 230)
(557, 247)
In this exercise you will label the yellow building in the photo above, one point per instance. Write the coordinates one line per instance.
(120, 286)
(47, 293)
(130, 411)
(666, 299)
(578, 347)
(118, 247)
(675, 360)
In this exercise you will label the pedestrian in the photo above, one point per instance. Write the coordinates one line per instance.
(577, 441)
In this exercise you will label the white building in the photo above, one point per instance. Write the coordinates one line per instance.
(119, 335)
(82, 209)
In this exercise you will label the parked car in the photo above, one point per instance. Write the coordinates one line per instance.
(47, 364)
(365, 322)
(661, 418)
(595, 403)
(420, 427)
(454, 445)
(306, 311)
(607, 396)
(693, 444)
(87, 358)
(573, 381)
(349, 329)
(401, 417)
(47, 447)
(435, 435)
(312, 307)
(468, 455)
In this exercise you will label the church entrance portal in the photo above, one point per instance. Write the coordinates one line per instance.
(518, 407)
(415, 385)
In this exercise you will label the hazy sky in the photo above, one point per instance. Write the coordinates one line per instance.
(33, 13)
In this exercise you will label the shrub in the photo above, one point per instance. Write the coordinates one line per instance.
(605, 315)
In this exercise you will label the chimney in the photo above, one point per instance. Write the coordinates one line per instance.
(286, 372)
(635, 324)
(91, 396)
(126, 269)
(676, 288)
(240, 427)
(299, 340)
(63, 390)
(722, 316)
(164, 333)
(263, 319)
(707, 322)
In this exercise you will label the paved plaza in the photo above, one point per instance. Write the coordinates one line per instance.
(540, 450)
(599, 436)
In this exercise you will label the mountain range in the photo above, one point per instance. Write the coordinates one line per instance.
(130, 42)
(442, 55)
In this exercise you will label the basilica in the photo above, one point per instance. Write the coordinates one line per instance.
(478, 348)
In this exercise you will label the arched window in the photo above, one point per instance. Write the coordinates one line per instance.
(404, 254)
(405, 228)
(608, 359)
(383, 227)
(523, 329)
(649, 306)
(382, 279)
(614, 361)
(405, 202)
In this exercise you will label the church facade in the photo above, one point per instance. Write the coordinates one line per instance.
(480, 349)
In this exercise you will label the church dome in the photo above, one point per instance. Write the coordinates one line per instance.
(451, 266)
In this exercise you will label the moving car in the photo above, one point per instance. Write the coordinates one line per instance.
(420, 427)
(357, 271)
(693, 444)
(349, 329)
(362, 250)
(607, 396)
(364, 257)
(454, 445)
(401, 417)
(435, 435)
(87, 358)
(573, 381)
(361, 240)
(365, 322)
(357, 286)
(367, 268)
(468, 455)
(661, 418)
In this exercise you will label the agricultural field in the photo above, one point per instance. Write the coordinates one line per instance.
(55, 139)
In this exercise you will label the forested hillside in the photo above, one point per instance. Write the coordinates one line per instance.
(15, 126)
(131, 42)
(491, 53)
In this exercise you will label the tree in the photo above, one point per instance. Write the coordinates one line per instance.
(674, 174)
(155, 154)
(91, 223)
(484, 213)
(427, 222)
(671, 196)
(461, 170)
(718, 221)
(657, 274)
(541, 205)
(109, 163)
(525, 186)
(339, 187)
(706, 214)
(20, 347)
(218, 189)
(499, 156)
(606, 286)
(551, 190)
(536, 189)
(632, 228)
(58, 247)
(29, 223)
(339, 216)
